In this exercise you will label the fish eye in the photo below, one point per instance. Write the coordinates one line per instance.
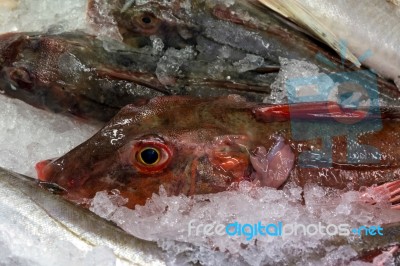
(146, 23)
(151, 156)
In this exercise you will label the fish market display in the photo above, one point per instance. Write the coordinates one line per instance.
(193, 146)
(44, 215)
(220, 113)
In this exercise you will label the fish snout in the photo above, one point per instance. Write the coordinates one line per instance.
(10, 47)
(12, 77)
(49, 171)
(42, 170)
(19, 77)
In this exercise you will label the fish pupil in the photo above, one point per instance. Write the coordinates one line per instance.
(149, 156)
(146, 20)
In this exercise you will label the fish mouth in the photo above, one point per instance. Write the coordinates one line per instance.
(10, 44)
(41, 170)
(10, 47)
(49, 176)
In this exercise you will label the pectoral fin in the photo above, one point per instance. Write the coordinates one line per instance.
(312, 111)
(272, 168)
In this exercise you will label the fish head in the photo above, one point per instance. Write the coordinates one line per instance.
(14, 73)
(30, 68)
(167, 21)
(172, 142)
(74, 73)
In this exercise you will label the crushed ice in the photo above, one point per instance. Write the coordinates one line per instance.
(17, 15)
(29, 135)
(173, 222)
(295, 69)
(19, 246)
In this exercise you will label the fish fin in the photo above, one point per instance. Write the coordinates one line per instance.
(272, 168)
(394, 188)
(294, 10)
(381, 256)
(144, 79)
(389, 191)
(309, 111)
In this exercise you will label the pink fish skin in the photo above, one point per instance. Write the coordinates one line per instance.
(198, 146)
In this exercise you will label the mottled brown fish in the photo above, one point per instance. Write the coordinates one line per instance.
(78, 74)
(197, 146)
(73, 72)
(217, 50)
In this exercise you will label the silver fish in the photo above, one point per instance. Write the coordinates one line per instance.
(42, 213)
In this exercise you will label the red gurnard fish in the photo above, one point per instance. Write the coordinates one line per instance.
(198, 146)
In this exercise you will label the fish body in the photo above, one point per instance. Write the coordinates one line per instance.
(79, 74)
(201, 50)
(247, 26)
(44, 214)
(199, 146)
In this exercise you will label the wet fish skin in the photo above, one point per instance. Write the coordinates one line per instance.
(78, 74)
(68, 73)
(206, 145)
(47, 214)
(241, 26)
(139, 22)
(245, 26)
